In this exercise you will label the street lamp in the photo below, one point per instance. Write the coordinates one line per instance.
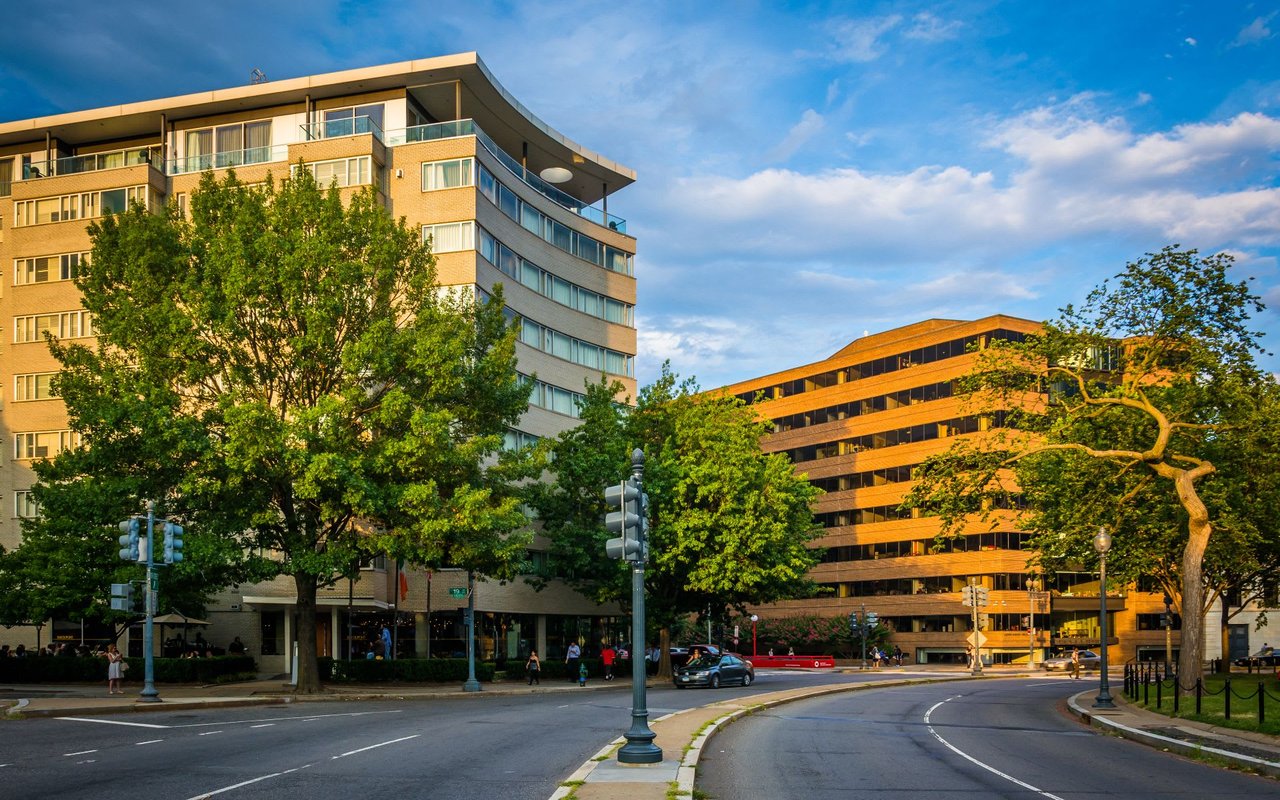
(1033, 586)
(754, 620)
(1102, 543)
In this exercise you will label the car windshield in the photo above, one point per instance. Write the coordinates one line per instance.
(703, 661)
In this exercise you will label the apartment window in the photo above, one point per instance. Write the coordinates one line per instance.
(343, 171)
(63, 325)
(43, 444)
(228, 145)
(25, 505)
(447, 174)
(44, 269)
(33, 386)
(451, 237)
(352, 120)
(6, 177)
(86, 205)
(563, 346)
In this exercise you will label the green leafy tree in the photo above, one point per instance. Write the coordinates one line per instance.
(1143, 411)
(311, 394)
(728, 524)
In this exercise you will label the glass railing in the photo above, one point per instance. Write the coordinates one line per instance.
(335, 128)
(71, 165)
(231, 158)
(466, 127)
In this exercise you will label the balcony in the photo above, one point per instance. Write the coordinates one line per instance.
(338, 128)
(93, 162)
(231, 158)
(467, 127)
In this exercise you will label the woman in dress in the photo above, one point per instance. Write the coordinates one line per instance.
(115, 670)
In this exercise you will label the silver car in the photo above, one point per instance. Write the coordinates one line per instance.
(1088, 660)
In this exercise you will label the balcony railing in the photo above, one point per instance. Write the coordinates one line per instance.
(466, 127)
(93, 162)
(231, 158)
(336, 128)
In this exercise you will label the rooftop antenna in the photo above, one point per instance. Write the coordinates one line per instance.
(257, 76)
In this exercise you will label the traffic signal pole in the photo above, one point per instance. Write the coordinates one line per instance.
(149, 693)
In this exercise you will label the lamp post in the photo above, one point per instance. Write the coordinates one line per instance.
(1033, 586)
(1102, 543)
(754, 620)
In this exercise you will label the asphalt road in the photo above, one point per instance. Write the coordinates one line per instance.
(459, 747)
(999, 738)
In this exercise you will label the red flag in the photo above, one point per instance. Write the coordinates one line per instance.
(404, 587)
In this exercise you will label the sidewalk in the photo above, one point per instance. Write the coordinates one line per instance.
(1244, 749)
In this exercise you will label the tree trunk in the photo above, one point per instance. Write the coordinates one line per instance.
(664, 654)
(308, 668)
(1224, 664)
(1191, 651)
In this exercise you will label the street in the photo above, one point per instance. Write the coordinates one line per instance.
(991, 739)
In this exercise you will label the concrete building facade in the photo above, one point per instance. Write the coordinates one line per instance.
(503, 197)
(857, 424)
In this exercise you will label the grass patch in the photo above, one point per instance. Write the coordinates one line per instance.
(1244, 703)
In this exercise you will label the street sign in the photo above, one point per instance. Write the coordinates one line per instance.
(458, 591)
(976, 640)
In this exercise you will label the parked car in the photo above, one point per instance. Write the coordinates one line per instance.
(714, 671)
(1088, 660)
(1266, 657)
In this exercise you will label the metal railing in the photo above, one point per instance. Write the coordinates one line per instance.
(231, 158)
(92, 162)
(336, 128)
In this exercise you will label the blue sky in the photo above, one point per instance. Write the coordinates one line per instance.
(807, 171)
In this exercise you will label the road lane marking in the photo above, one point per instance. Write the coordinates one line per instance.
(112, 722)
(929, 724)
(263, 725)
(207, 795)
(80, 753)
(372, 746)
(264, 719)
(149, 741)
(208, 733)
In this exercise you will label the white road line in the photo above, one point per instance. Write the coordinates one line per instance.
(264, 719)
(246, 783)
(208, 733)
(372, 746)
(970, 758)
(149, 741)
(80, 753)
(263, 725)
(113, 722)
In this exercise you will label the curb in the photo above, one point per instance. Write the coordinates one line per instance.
(1152, 739)
(686, 771)
(21, 712)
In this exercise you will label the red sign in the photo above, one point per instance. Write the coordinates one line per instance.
(796, 662)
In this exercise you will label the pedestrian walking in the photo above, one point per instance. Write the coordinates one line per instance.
(607, 657)
(115, 670)
(1075, 663)
(533, 667)
(571, 657)
(897, 656)
(386, 643)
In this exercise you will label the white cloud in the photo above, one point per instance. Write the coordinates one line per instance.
(1143, 98)
(929, 28)
(1190, 41)
(811, 123)
(858, 40)
(1254, 32)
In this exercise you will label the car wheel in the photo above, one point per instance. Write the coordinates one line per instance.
(715, 681)
(681, 686)
(746, 679)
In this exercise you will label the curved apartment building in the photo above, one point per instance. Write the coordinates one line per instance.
(503, 197)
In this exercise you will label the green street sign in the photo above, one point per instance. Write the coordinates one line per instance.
(458, 591)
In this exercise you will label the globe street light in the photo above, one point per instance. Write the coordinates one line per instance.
(1033, 586)
(1102, 543)
(754, 620)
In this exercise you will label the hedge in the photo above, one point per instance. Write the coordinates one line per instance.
(65, 669)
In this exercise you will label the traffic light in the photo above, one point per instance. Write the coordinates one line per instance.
(966, 595)
(983, 621)
(873, 619)
(854, 625)
(625, 521)
(172, 543)
(129, 541)
(122, 596)
(981, 596)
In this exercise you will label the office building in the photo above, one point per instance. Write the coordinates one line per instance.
(857, 424)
